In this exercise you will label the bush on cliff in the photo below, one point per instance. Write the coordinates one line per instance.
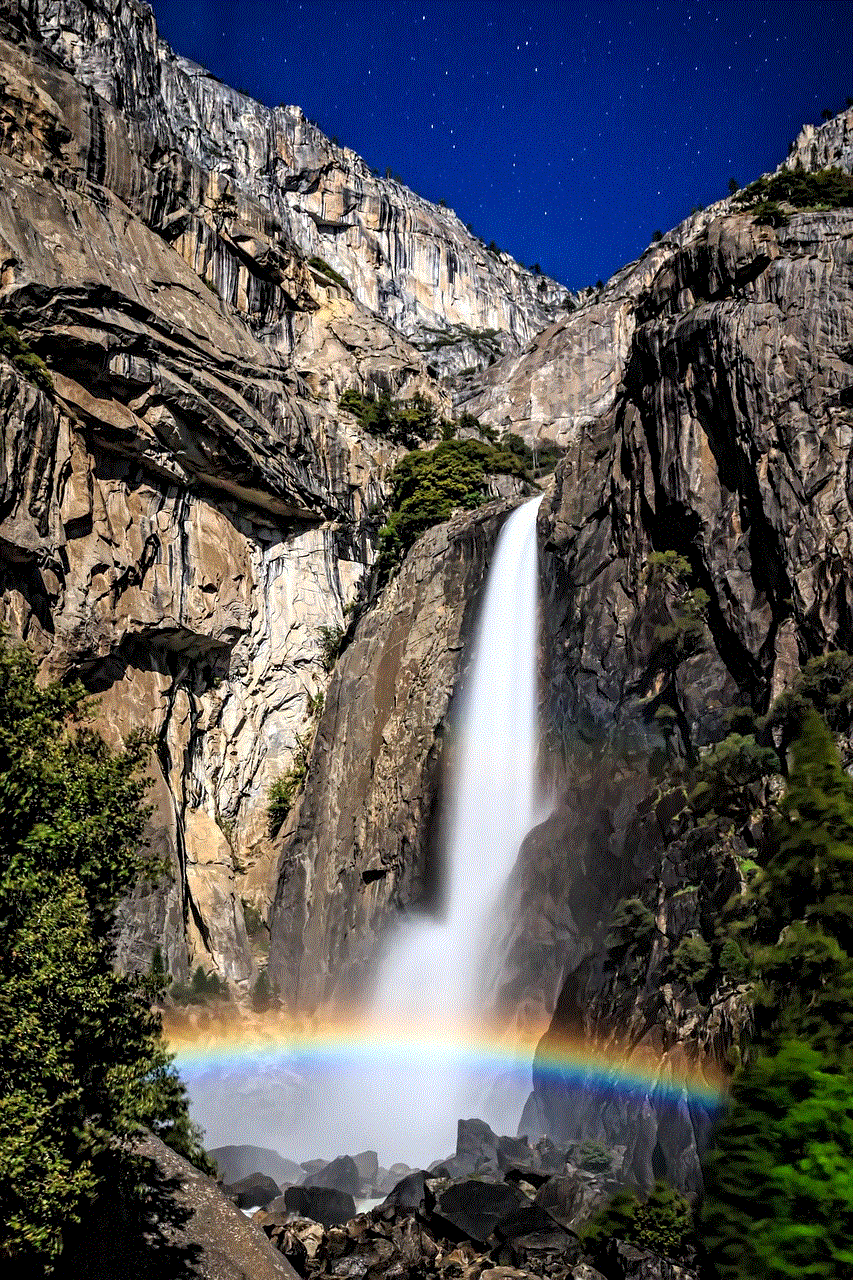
(84, 1065)
(427, 486)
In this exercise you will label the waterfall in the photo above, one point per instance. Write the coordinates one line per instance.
(399, 1080)
(430, 976)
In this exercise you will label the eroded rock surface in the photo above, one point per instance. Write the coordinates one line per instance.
(359, 846)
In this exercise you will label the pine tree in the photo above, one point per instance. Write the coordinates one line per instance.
(84, 1069)
(779, 1197)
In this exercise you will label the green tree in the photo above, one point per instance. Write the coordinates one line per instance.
(84, 1066)
(779, 1193)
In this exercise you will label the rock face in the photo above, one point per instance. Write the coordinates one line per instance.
(359, 846)
(729, 442)
(188, 514)
(409, 261)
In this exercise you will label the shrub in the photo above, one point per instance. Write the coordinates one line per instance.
(727, 772)
(662, 1223)
(632, 925)
(25, 360)
(285, 789)
(428, 485)
(331, 639)
(261, 993)
(691, 961)
(595, 1156)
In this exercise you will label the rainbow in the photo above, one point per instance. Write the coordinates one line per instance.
(263, 1044)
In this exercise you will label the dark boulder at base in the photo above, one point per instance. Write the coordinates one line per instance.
(241, 1161)
(471, 1210)
(476, 1148)
(321, 1204)
(409, 1193)
(341, 1174)
(254, 1192)
(513, 1152)
(536, 1241)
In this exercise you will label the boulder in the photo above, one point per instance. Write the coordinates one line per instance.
(513, 1151)
(367, 1163)
(194, 1230)
(476, 1147)
(625, 1262)
(409, 1193)
(574, 1197)
(256, 1191)
(472, 1210)
(326, 1205)
(394, 1175)
(341, 1174)
(237, 1162)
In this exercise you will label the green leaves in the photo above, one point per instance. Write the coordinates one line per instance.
(84, 1068)
(779, 1198)
(428, 485)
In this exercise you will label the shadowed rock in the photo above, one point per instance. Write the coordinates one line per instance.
(322, 1204)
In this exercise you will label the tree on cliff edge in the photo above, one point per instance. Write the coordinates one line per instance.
(84, 1069)
(779, 1197)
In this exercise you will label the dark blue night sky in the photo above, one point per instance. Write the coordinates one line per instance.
(565, 132)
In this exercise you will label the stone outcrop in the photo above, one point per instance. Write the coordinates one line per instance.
(358, 848)
(410, 262)
(729, 442)
(191, 1229)
(187, 514)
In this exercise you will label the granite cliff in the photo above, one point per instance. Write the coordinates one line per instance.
(187, 514)
(188, 520)
(696, 554)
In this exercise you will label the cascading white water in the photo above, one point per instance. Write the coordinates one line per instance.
(430, 974)
(408, 1074)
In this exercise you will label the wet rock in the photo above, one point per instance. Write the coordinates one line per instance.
(409, 1192)
(476, 1148)
(472, 1210)
(321, 1204)
(255, 1191)
(625, 1262)
(341, 1174)
(574, 1197)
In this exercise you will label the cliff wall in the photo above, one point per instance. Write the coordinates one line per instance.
(410, 262)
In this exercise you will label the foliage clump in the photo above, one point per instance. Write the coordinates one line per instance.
(818, 189)
(682, 631)
(331, 639)
(25, 360)
(321, 266)
(633, 925)
(779, 1199)
(662, 1223)
(594, 1156)
(286, 788)
(691, 961)
(427, 486)
(728, 773)
(403, 422)
(85, 1070)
